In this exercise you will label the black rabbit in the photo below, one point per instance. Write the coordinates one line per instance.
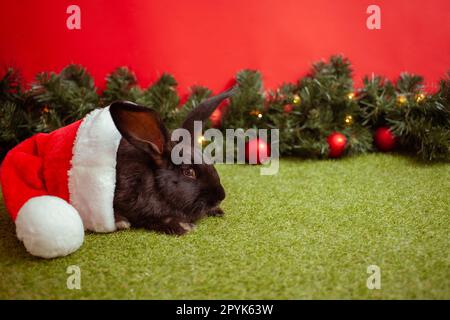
(151, 191)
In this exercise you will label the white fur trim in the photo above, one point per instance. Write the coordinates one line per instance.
(49, 227)
(92, 177)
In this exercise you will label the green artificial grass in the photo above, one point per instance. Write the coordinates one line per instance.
(309, 232)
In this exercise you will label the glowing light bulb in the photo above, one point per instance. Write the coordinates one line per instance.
(348, 119)
(296, 100)
(401, 100)
(420, 97)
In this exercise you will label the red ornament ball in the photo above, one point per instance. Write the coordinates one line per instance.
(384, 139)
(336, 142)
(257, 149)
(288, 108)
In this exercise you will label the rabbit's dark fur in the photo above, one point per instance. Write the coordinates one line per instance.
(152, 192)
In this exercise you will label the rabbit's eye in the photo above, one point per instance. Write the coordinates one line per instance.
(189, 172)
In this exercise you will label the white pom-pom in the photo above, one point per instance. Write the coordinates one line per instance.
(49, 227)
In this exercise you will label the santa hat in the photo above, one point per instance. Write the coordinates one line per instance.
(56, 185)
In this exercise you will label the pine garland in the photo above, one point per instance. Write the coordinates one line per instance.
(306, 112)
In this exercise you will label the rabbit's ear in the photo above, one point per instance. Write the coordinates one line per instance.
(206, 108)
(140, 126)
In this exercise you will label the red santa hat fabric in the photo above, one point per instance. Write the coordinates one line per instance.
(56, 185)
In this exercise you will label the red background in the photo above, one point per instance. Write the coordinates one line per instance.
(207, 41)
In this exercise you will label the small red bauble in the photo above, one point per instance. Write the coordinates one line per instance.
(288, 108)
(336, 142)
(257, 149)
(384, 139)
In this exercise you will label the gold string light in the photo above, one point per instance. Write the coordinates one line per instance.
(401, 100)
(296, 100)
(256, 113)
(351, 96)
(420, 97)
(348, 120)
(201, 140)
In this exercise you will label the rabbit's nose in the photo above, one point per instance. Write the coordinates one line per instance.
(220, 193)
(215, 195)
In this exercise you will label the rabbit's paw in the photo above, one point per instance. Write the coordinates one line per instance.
(216, 212)
(176, 227)
(187, 226)
(122, 223)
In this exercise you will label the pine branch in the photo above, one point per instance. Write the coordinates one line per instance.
(162, 97)
(306, 112)
(121, 85)
(246, 108)
(64, 97)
